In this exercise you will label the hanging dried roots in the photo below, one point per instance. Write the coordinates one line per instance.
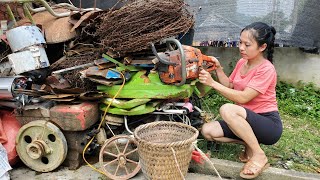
(135, 25)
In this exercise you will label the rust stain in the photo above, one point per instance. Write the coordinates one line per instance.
(74, 111)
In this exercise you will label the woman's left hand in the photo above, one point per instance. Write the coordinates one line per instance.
(206, 78)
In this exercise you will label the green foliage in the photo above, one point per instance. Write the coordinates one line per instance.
(298, 147)
(213, 101)
(301, 101)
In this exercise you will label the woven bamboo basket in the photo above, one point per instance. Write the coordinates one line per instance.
(165, 149)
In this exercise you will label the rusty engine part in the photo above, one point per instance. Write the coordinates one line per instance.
(41, 146)
(135, 25)
(74, 121)
(176, 66)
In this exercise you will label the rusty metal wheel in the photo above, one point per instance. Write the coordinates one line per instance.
(41, 146)
(119, 157)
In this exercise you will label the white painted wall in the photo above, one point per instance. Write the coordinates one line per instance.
(293, 65)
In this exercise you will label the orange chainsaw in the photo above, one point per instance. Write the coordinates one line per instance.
(176, 66)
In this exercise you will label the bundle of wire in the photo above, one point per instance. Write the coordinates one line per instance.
(136, 24)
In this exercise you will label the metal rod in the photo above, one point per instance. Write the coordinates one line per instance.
(16, 1)
(27, 12)
(11, 15)
(126, 124)
(73, 68)
(65, 5)
(50, 10)
(27, 8)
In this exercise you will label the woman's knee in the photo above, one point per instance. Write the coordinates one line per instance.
(205, 130)
(230, 112)
(226, 110)
(211, 130)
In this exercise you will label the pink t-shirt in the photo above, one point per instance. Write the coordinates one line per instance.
(262, 78)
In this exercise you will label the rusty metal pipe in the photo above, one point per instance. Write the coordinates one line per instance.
(43, 2)
(49, 9)
(73, 68)
(27, 6)
(16, 1)
(27, 13)
(11, 14)
(65, 5)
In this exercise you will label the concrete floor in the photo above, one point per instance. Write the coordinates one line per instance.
(83, 173)
(227, 169)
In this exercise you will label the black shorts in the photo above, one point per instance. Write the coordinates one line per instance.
(267, 127)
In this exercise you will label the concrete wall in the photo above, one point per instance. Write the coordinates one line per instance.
(292, 64)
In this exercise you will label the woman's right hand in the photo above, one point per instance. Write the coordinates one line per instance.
(206, 78)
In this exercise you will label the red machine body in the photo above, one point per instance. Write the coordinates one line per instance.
(194, 61)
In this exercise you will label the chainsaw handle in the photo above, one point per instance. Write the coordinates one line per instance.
(183, 59)
(154, 51)
(169, 46)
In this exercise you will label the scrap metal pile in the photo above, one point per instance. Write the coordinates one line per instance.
(67, 86)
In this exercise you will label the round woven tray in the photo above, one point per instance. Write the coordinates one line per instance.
(165, 149)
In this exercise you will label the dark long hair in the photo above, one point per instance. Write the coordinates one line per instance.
(263, 33)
